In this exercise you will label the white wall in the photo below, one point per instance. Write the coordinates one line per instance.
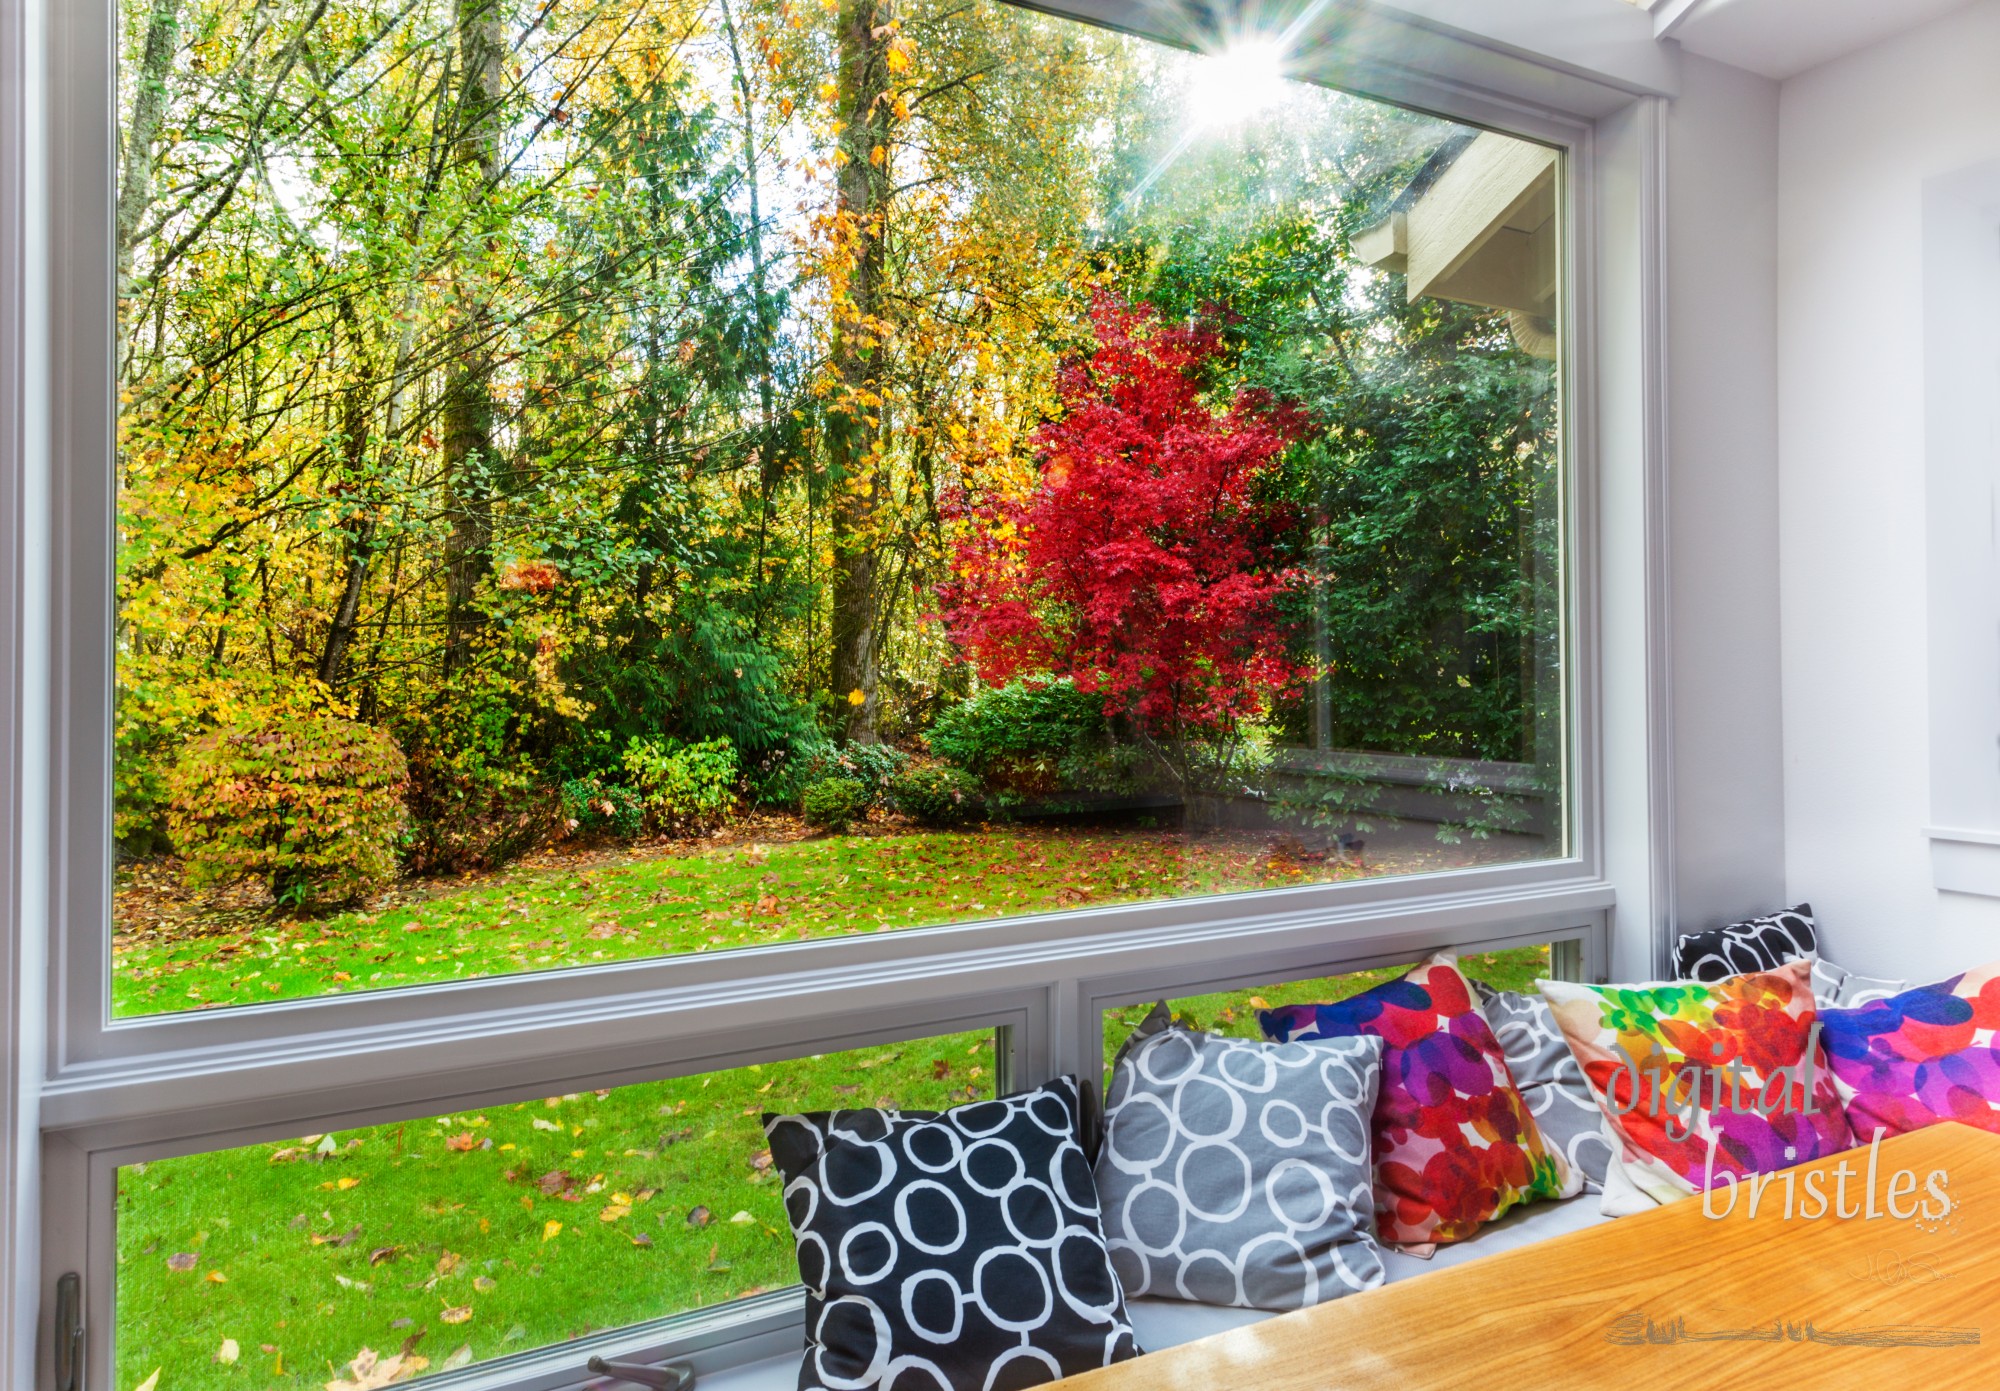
(1858, 140)
(1722, 440)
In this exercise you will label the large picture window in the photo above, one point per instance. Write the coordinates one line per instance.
(661, 559)
(615, 479)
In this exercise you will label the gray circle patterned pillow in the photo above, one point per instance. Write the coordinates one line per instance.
(1236, 1172)
(1549, 1079)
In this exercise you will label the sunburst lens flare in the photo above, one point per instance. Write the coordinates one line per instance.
(1236, 84)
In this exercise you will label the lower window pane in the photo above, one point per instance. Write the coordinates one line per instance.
(1233, 1013)
(454, 1239)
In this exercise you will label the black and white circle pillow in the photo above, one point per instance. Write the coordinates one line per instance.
(955, 1252)
(1236, 1171)
(1759, 944)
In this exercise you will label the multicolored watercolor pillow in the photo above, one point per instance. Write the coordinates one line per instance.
(1926, 1055)
(1454, 1145)
(1682, 1068)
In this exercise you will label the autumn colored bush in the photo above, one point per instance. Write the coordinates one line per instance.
(685, 786)
(1144, 566)
(937, 795)
(312, 806)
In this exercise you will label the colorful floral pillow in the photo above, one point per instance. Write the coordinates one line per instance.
(1685, 1072)
(1453, 1143)
(1926, 1055)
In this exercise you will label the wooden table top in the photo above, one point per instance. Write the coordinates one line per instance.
(1635, 1303)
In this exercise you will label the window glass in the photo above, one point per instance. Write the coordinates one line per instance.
(615, 479)
(455, 1239)
(1233, 1013)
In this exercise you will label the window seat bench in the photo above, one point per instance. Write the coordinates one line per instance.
(1166, 1323)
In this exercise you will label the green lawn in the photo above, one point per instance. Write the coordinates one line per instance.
(471, 1236)
(741, 895)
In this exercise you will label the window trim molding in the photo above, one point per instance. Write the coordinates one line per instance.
(55, 289)
(26, 421)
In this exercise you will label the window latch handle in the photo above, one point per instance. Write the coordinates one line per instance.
(69, 1332)
(673, 1377)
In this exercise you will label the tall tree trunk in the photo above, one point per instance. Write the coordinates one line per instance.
(855, 433)
(770, 458)
(135, 175)
(469, 461)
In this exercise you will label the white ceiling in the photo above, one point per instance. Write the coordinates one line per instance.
(1780, 38)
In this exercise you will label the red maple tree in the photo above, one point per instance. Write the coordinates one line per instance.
(1142, 565)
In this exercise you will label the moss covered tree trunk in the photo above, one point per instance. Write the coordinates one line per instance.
(469, 456)
(857, 431)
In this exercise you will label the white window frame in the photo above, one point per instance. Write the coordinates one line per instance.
(86, 1094)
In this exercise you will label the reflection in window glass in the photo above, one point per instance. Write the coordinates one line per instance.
(610, 480)
(452, 1240)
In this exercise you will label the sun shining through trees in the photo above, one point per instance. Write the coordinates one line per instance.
(602, 480)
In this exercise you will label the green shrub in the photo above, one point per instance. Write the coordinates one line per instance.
(874, 766)
(313, 806)
(1032, 737)
(834, 803)
(936, 795)
(593, 806)
(684, 786)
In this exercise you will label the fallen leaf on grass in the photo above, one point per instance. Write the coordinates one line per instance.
(370, 1371)
(541, 1124)
(216, 1277)
(742, 1219)
(761, 1160)
(181, 1261)
(485, 1284)
(460, 1314)
(642, 1240)
(229, 1351)
(514, 1334)
(699, 1217)
(716, 1265)
(383, 1253)
(550, 1228)
(462, 1142)
(461, 1358)
(150, 1382)
(613, 1212)
(347, 1284)
(343, 1239)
